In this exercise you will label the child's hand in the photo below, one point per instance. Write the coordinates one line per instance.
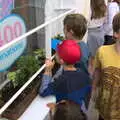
(49, 64)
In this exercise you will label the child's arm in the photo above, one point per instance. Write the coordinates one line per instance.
(46, 85)
(96, 79)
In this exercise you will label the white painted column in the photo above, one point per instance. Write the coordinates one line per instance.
(53, 8)
(49, 14)
(83, 7)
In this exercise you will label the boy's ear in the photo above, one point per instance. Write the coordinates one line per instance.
(71, 31)
(116, 35)
(62, 61)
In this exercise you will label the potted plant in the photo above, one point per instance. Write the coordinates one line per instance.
(40, 55)
(26, 66)
(58, 37)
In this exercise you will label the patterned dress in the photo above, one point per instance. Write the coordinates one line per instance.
(108, 102)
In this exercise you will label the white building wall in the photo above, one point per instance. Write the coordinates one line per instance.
(54, 8)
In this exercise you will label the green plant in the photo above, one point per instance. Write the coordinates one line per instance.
(8, 91)
(40, 55)
(59, 37)
(26, 67)
(12, 77)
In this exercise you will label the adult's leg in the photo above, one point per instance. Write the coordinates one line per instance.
(95, 40)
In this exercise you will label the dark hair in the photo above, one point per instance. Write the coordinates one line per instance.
(116, 23)
(98, 8)
(68, 110)
(77, 23)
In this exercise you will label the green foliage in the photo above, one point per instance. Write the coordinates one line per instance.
(12, 77)
(40, 55)
(59, 37)
(26, 67)
(7, 92)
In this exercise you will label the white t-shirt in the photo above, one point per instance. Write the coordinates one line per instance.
(94, 23)
(113, 9)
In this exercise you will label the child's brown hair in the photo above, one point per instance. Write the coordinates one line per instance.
(68, 110)
(77, 23)
(116, 23)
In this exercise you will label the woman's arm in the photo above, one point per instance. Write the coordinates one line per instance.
(96, 79)
(95, 84)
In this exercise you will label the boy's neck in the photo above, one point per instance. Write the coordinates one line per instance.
(76, 39)
(69, 67)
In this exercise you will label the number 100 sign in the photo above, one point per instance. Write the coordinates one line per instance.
(11, 27)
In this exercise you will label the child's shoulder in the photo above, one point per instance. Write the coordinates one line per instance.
(83, 44)
(79, 74)
(72, 74)
(84, 49)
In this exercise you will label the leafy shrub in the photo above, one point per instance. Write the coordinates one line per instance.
(40, 55)
(59, 37)
(26, 67)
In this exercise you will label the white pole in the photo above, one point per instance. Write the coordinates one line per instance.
(48, 41)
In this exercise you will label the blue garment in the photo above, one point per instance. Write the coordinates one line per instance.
(71, 85)
(54, 43)
(83, 63)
